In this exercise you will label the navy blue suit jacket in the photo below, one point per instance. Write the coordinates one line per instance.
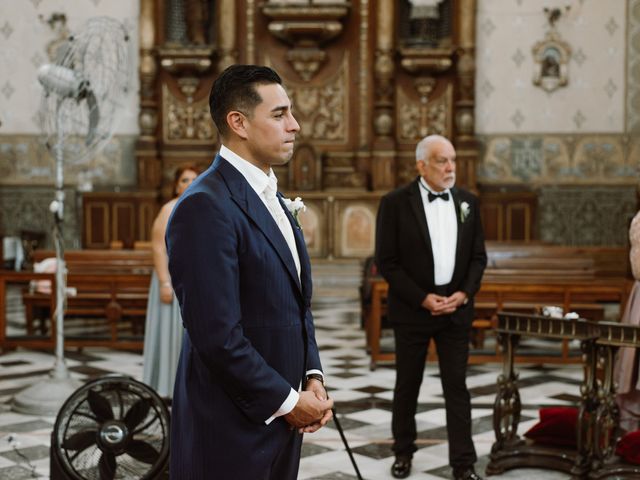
(249, 330)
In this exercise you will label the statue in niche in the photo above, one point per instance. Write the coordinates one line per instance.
(58, 24)
(551, 56)
(551, 63)
(188, 22)
(428, 22)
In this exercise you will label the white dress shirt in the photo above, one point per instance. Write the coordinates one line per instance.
(443, 231)
(259, 182)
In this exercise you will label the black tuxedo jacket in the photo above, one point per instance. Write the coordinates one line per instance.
(405, 257)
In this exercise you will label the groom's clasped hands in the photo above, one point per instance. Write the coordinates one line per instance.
(313, 409)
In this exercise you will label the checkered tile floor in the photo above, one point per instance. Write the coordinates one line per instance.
(363, 402)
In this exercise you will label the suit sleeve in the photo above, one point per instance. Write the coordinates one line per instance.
(478, 261)
(203, 247)
(313, 354)
(388, 255)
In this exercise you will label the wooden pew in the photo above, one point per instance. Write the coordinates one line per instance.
(524, 277)
(111, 285)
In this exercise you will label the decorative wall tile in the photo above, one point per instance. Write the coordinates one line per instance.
(24, 160)
(579, 57)
(633, 68)
(27, 208)
(560, 159)
(586, 215)
(594, 32)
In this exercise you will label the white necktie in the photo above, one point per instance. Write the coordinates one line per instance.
(275, 208)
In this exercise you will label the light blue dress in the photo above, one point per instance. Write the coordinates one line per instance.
(162, 341)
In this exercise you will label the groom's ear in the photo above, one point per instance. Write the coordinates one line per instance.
(237, 123)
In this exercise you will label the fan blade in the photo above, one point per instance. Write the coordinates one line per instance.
(81, 440)
(142, 451)
(100, 406)
(94, 116)
(107, 466)
(137, 413)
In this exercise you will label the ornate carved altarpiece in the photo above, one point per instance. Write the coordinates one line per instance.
(368, 79)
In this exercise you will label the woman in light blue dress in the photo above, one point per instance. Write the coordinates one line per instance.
(163, 326)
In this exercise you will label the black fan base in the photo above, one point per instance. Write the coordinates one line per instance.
(57, 473)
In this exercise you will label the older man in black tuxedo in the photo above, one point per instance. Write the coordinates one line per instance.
(430, 249)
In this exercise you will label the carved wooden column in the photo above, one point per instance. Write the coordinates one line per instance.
(306, 28)
(465, 142)
(227, 34)
(149, 168)
(384, 145)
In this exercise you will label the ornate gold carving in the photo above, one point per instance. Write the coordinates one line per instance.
(323, 111)
(227, 33)
(423, 60)
(467, 29)
(305, 28)
(427, 117)
(182, 60)
(251, 34)
(306, 61)
(345, 180)
(186, 121)
(363, 76)
(147, 27)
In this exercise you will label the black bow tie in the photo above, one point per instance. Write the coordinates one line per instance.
(442, 196)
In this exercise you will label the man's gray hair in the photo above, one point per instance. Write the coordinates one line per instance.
(423, 149)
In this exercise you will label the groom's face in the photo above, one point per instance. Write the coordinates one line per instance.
(271, 129)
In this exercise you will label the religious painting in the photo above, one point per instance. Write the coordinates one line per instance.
(310, 223)
(357, 231)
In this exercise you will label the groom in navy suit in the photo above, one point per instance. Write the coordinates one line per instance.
(249, 381)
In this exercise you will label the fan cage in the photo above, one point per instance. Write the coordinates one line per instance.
(100, 55)
(77, 416)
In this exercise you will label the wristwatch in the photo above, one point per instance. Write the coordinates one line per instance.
(316, 376)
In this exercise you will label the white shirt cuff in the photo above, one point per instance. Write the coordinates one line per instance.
(315, 370)
(286, 407)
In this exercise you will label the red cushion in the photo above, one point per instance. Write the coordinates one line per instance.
(557, 426)
(629, 447)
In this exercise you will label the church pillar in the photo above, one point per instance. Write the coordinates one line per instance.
(384, 145)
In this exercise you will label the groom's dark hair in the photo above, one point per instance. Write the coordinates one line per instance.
(235, 89)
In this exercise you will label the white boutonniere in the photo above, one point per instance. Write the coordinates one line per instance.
(464, 211)
(295, 206)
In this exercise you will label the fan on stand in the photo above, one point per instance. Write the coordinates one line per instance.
(113, 427)
(82, 92)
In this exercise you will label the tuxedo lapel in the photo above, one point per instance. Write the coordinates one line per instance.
(456, 203)
(415, 199)
(249, 202)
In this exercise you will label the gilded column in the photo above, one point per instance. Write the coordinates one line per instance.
(227, 35)
(465, 103)
(146, 151)
(383, 162)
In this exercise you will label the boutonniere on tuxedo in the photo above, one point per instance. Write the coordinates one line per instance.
(465, 210)
(295, 206)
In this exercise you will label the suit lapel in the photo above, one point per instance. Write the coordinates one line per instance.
(249, 202)
(415, 199)
(456, 203)
(305, 263)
